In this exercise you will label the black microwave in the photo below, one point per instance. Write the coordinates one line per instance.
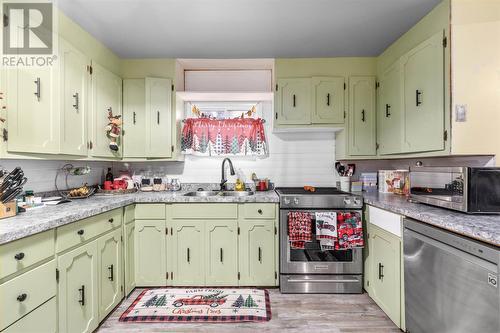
(474, 190)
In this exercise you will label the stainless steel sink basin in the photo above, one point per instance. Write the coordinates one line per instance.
(202, 194)
(205, 194)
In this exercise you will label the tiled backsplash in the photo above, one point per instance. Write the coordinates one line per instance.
(41, 173)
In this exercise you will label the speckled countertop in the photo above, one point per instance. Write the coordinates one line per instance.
(49, 217)
(485, 228)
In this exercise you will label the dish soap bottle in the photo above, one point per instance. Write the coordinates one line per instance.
(239, 186)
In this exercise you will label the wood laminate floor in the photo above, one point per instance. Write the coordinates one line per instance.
(290, 313)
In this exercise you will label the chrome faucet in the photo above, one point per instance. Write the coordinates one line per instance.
(223, 180)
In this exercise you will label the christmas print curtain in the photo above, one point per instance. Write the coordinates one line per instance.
(224, 137)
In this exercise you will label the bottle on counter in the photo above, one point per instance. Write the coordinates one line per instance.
(109, 176)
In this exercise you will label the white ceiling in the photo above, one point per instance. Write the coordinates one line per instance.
(246, 28)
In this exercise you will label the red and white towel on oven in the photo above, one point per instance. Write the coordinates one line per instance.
(299, 229)
(326, 229)
(350, 230)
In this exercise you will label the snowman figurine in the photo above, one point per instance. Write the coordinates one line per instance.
(113, 130)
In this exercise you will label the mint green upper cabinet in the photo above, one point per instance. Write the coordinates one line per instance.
(423, 87)
(150, 253)
(221, 256)
(188, 252)
(159, 111)
(390, 112)
(78, 290)
(32, 113)
(257, 252)
(110, 272)
(293, 101)
(74, 90)
(328, 100)
(362, 120)
(134, 118)
(106, 95)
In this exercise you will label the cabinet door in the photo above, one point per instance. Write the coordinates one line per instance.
(159, 111)
(328, 100)
(32, 113)
(362, 115)
(386, 279)
(106, 96)
(188, 253)
(390, 120)
(74, 87)
(423, 73)
(129, 261)
(150, 253)
(294, 102)
(37, 321)
(78, 290)
(257, 253)
(221, 256)
(134, 118)
(110, 272)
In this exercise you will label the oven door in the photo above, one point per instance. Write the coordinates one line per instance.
(311, 259)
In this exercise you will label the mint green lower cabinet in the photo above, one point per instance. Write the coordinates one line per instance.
(40, 320)
(257, 253)
(78, 290)
(110, 272)
(129, 256)
(188, 252)
(221, 255)
(385, 268)
(150, 253)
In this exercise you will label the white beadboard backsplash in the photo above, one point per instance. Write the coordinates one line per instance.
(295, 159)
(42, 173)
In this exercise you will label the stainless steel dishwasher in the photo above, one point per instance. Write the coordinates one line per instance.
(451, 282)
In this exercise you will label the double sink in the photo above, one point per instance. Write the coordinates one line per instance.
(219, 193)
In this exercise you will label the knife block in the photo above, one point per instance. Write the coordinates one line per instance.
(8, 209)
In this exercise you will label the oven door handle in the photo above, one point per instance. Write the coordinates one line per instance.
(322, 281)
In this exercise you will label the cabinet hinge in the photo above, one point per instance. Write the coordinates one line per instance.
(166, 275)
(57, 274)
(171, 275)
(445, 135)
(345, 114)
(121, 288)
(5, 20)
(173, 88)
(172, 231)
(5, 135)
(445, 41)
(121, 238)
(166, 231)
(91, 145)
(276, 87)
(377, 85)
(367, 283)
(239, 275)
(377, 145)
(345, 86)
(275, 275)
(275, 230)
(238, 230)
(172, 148)
(276, 115)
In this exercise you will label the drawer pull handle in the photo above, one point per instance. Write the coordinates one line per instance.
(80, 232)
(19, 256)
(22, 297)
(221, 255)
(259, 211)
(260, 255)
(188, 255)
(111, 220)
(380, 271)
(111, 273)
(82, 295)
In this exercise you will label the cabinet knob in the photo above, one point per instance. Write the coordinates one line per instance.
(22, 297)
(259, 211)
(80, 232)
(19, 256)
(111, 220)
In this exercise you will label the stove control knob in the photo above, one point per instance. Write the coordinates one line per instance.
(286, 201)
(296, 201)
(347, 201)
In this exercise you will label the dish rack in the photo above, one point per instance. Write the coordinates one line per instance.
(70, 170)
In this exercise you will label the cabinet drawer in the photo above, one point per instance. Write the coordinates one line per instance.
(259, 211)
(26, 292)
(150, 211)
(25, 252)
(385, 220)
(128, 214)
(204, 211)
(84, 230)
(42, 319)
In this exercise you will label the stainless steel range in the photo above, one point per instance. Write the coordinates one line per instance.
(311, 269)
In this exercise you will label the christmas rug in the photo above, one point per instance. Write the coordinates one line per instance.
(199, 304)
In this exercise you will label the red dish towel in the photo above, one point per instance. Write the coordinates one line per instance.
(350, 231)
(299, 227)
